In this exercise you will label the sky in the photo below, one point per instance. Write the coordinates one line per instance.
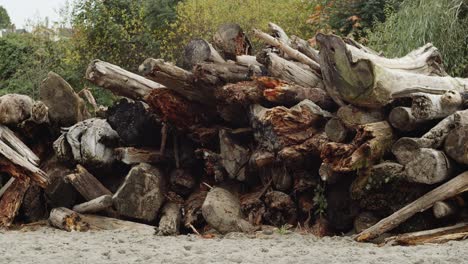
(22, 10)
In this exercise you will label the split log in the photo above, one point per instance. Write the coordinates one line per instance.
(96, 205)
(133, 156)
(232, 41)
(182, 181)
(222, 211)
(86, 184)
(280, 209)
(200, 50)
(234, 157)
(444, 209)
(402, 118)
(119, 81)
(455, 144)
(11, 201)
(171, 216)
(447, 190)
(371, 142)
(288, 50)
(290, 71)
(364, 81)
(142, 193)
(66, 108)
(336, 131)
(15, 108)
(434, 236)
(248, 60)
(280, 127)
(298, 154)
(67, 220)
(304, 47)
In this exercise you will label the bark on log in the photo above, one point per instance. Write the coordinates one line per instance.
(455, 144)
(434, 236)
(402, 118)
(86, 184)
(67, 220)
(200, 50)
(444, 209)
(232, 41)
(11, 201)
(96, 205)
(59, 193)
(99, 223)
(428, 166)
(364, 81)
(142, 193)
(133, 156)
(15, 108)
(171, 217)
(119, 81)
(66, 108)
(218, 74)
(447, 190)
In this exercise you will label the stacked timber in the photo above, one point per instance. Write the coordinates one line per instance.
(330, 141)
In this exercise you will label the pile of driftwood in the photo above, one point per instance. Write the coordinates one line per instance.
(341, 140)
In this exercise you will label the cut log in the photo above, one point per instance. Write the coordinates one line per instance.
(94, 206)
(133, 156)
(15, 108)
(336, 131)
(402, 118)
(68, 220)
(11, 201)
(33, 207)
(428, 106)
(171, 217)
(232, 41)
(455, 144)
(352, 116)
(221, 210)
(366, 82)
(290, 71)
(119, 81)
(142, 193)
(364, 220)
(444, 209)
(86, 184)
(372, 141)
(200, 50)
(234, 157)
(66, 108)
(447, 190)
(280, 209)
(434, 236)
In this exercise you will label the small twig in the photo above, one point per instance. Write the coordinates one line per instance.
(207, 185)
(194, 230)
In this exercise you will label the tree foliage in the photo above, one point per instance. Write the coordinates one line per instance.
(442, 22)
(5, 21)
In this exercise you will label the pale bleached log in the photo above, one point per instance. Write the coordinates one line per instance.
(428, 166)
(171, 217)
(96, 205)
(99, 223)
(247, 60)
(279, 33)
(352, 116)
(444, 209)
(402, 118)
(447, 190)
(119, 81)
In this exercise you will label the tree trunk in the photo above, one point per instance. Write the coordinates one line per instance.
(434, 106)
(11, 201)
(67, 220)
(428, 166)
(95, 205)
(86, 184)
(447, 190)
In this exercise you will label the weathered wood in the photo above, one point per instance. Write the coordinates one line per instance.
(447, 190)
(434, 236)
(119, 81)
(67, 220)
(132, 155)
(221, 210)
(142, 193)
(428, 166)
(428, 106)
(66, 108)
(11, 201)
(364, 81)
(15, 108)
(182, 181)
(336, 131)
(444, 209)
(298, 154)
(304, 47)
(96, 205)
(260, 159)
(234, 157)
(455, 144)
(171, 217)
(200, 50)
(86, 184)
(353, 116)
(280, 209)
(232, 41)
(402, 118)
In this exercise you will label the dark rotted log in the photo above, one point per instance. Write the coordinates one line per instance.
(68, 220)
(260, 159)
(11, 201)
(193, 208)
(232, 41)
(371, 142)
(280, 127)
(199, 50)
(59, 193)
(182, 181)
(402, 118)
(445, 191)
(312, 147)
(280, 209)
(66, 108)
(336, 131)
(434, 236)
(33, 207)
(86, 184)
(134, 123)
(142, 193)
(341, 210)
(213, 164)
(95, 205)
(253, 206)
(119, 81)
(455, 144)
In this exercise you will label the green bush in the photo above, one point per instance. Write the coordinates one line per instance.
(442, 22)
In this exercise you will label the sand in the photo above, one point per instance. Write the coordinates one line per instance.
(47, 245)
